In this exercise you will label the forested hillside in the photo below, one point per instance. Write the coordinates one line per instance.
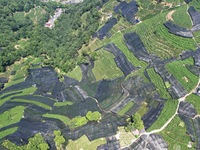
(74, 28)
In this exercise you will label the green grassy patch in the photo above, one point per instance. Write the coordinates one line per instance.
(195, 101)
(125, 108)
(157, 80)
(143, 109)
(11, 116)
(76, 73)
(64, 119)
(26, 91)
(186, 78)
(175, 135)
(182, 18)
(32, 102)
(63, 103)
(105, 66)
(85, 144)
(7, 132)
(167, 112)
(196, 35)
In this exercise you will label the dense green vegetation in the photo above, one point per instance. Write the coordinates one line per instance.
(167, 112)
(135, 122)
(175, 135)
(59, 139)
(11, 116)
(186, 78)
(78, 121)
(93, 116)
(195, 101)
(157, 80)
(73, 29)
(35, 143)
(84, 143)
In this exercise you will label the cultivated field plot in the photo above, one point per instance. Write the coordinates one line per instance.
(175, 134)
(160, 85)
(105, 66)
(84, 143)
(195, 101)
(182, 18)
(186, 78)
(157, 40)
(149, 8)
(167, 112)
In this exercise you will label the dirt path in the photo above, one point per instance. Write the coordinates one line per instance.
(169, 15)
(17, 46)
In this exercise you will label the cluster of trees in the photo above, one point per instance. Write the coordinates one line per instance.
(35, 143)
(73, 29)
(135, 122)
(59, 139)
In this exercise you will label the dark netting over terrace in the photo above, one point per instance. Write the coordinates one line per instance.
(102, 32)
(149, 142)
(87, 74)
(28, 128)
(176, 89)
(195, 15)
(188, 1)
(136, 46)
(194, 69)
(186, 54)
(79, 108)
(108, 126)
(150, 117)
(110, 93)
(70, 81)
(197, 57)
(112, 144)
(193, 129)
(177, 30)
(45, 100)
(128, 10)
(44, 78)
(120, 59)
(187, 109)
